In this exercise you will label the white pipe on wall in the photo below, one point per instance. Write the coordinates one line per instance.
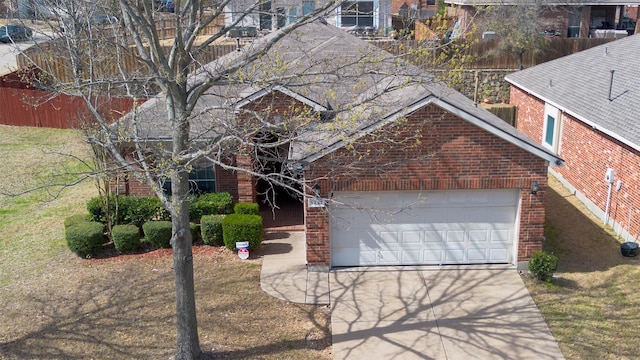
(606, 210)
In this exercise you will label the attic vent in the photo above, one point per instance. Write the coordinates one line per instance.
(327, 115)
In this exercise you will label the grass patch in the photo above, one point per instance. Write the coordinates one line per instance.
(58, 306)
(590, 305)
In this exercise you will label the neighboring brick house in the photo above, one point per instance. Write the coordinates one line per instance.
(414, 9)
(584, 107)
(568, 18)
(405, 170)
(375, 15)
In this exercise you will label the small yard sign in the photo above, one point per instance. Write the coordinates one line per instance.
(243, 249)
(243, 254)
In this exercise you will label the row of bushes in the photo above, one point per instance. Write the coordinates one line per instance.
(86, 237)
(138, 210)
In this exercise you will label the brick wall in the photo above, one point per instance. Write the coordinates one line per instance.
(433, 150)
(124, 184)
(396, 4)
(587, 154)
(530, 113)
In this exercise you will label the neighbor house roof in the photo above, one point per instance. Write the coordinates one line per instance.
(327, 68)
(598, 86)
(548, 3)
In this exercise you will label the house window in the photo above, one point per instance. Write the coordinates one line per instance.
(202, 179)
(431, 2)
(267, 16)
(551, 127)
(292, 16)
(357, 13)
(308, 7)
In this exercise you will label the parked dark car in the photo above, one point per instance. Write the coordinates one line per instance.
(13, 33)
(244, 31)
(167, 6)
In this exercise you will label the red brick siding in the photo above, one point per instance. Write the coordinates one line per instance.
(587, 154)
(450, 154)
(271, 105)
(226, 181)
(530, 113)
(240, 184)
(396, 4)
(125, 184)
(246, 181)
(316, 231)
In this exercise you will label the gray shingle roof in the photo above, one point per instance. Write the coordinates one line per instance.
(579, 85)
(326, 66)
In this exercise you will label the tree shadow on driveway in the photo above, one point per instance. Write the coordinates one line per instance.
(437, 313)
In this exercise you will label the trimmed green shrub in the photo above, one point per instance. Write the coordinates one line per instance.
(85, 239)
(246, 208)
(130, 209)
(126, 238)
(96, 207)
(75, 219)
(138, 210)
(210, 204)
(158, 233)
(242, 227)
(211, 229)
(194, 231)
(543, 265)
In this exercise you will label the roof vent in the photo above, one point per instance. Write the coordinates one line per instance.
(606, 50)
(611, 85)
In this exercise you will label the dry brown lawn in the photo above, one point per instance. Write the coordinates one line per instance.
(592, 305)
(58, 306)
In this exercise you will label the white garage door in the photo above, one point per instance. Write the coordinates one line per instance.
(435, 227)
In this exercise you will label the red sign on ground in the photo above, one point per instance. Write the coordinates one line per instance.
(243, 254)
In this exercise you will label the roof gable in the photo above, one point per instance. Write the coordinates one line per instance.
(273, 88)
(597, 86)
(456, 104)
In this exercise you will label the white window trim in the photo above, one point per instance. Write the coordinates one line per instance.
(550, 110)
(375, 15)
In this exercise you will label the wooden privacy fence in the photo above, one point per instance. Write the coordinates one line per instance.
(506, 112)
(483, 53)
(167, 30)
(27, 107)
(104, 62)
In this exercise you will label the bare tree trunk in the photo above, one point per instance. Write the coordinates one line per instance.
(181, 241)
(187, 325)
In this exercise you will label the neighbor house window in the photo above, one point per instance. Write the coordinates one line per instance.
(357, 13)
(202, 179)
(551, 128)
(308, 7)
(292, 16)
(267, 13)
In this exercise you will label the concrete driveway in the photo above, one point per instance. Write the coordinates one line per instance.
(472, 312)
